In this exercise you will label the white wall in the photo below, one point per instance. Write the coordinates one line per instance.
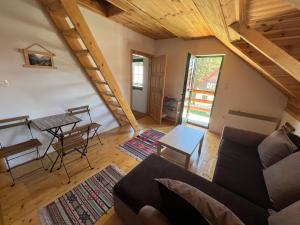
(42, 92)
(140, 97)
(116, 41)
(240, 87)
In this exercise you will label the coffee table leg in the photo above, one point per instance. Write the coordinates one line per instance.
(200, 146)
(159, 149)
(187, 162)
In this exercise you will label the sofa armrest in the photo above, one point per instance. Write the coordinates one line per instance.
(243, 137)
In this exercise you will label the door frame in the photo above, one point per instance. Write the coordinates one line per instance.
(150, 56)
(189, 55)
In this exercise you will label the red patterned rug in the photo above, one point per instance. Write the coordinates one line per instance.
(86, 203)
(143, 145)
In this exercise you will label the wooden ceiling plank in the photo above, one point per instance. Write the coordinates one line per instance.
(295, 3)
(172, 22)
(269, 49)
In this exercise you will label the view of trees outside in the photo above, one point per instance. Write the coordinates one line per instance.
(206, 71)
(204, 77)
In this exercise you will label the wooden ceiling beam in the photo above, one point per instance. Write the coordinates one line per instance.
(258, 68)
(241, 11)
(94, 6)
(269, 49)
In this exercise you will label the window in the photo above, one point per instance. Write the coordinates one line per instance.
(138, 73)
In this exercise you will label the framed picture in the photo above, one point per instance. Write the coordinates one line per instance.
(38, 59)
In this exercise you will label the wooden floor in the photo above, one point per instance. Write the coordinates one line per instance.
(22, 202)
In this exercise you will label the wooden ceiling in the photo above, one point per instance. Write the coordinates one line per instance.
(266, 34)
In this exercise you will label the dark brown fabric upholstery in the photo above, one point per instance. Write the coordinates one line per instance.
(239, 170)
(138, 188)
(243, 137)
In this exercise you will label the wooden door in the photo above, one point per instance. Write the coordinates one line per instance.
(157, 87)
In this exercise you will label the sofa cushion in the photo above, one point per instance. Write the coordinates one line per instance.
(275, 147)
(282, 181)
(149, 215)
(239, 170)
(138, 188)
(213, 211)
(288, 216)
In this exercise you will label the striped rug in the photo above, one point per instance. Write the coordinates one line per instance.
(143, 145)
(86, 203)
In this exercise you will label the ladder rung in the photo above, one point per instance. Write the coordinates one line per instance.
(107, 93)
(114, 103)
(82, 52)
(56, 8)
(123, 120)
(100, 82)
(119, 113)
(91, 68)
(71, 33)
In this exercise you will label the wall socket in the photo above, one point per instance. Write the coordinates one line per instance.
(4, 83)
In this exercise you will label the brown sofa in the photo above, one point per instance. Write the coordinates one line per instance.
(238, 181)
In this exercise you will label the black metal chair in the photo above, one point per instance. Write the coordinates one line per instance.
(21, 148)
(75, 140)
(94, 127)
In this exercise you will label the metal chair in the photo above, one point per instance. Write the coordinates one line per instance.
(93, 126)
(8, 151)
(72, 141)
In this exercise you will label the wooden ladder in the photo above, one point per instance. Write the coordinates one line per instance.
(70, 22)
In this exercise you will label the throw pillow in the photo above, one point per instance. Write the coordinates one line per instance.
(178, 210)
(295, 139)
(288, 216)
(275, 147)
(149, 215)
(213, 211)
(282, 181)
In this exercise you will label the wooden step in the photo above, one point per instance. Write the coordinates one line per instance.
(92, 68)
(82, 52)
(99, 82)
(107, 93)
(72, 33)
(114, 103)
(119, 113)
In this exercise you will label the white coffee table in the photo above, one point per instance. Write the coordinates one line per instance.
(184, 140)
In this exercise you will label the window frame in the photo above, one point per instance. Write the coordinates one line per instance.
(137, 86)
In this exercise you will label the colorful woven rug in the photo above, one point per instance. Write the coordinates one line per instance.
(86, 203)
(143, 145)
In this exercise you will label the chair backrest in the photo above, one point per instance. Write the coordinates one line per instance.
(14, 122)
(76, 134)
(80, 110)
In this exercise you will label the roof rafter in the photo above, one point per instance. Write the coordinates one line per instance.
(269, 49)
